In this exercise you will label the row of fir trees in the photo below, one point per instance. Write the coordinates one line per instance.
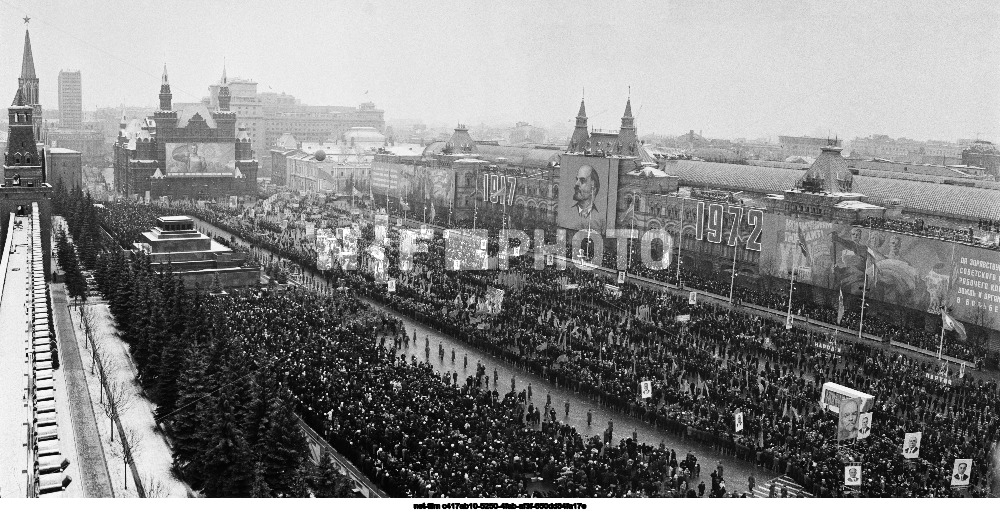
(232, 422)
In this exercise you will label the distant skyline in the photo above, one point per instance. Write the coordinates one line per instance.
(915, 69)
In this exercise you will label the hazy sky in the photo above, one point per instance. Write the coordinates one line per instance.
(922, 69)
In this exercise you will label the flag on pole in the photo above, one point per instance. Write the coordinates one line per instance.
(840, 307)
(871, 269)
(802, 244)
(953, 325)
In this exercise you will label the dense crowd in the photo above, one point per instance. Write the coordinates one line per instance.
(742, 363)
(989, 225)
(919, 227)
(419, 435)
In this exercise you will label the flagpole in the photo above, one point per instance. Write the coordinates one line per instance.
(732, 282)
(791, 287)
(941, 342)
(680, 236)
(864, 293)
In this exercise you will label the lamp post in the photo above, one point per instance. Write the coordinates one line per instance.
(791, 288)
(732, 282)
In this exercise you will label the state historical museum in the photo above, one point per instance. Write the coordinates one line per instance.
(192, 153)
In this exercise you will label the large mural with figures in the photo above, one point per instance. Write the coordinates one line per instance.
(914, 272)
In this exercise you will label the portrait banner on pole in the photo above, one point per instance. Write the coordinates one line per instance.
(852, 475)
(847, 425)
(865, 429)
(960, 472)
(911, 444)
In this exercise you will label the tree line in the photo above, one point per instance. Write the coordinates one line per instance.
(232, 422)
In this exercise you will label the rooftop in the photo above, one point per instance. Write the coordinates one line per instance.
(957, 202)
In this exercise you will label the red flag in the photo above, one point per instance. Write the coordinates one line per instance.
(953, 325)
(802, 244)
(840, 308)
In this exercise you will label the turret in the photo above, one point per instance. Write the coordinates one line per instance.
(23, 164)
(626, 144)
(224, 96)
(166, 98)
(578, 142)
(28, 84)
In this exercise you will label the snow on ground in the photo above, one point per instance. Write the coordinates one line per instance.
(67, 436)
(14, 368)
(151, 453)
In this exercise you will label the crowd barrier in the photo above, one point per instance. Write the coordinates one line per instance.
(319, 448)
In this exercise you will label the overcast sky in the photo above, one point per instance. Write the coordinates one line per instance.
(920, 69)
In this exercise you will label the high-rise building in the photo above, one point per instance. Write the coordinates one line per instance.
(70, 100)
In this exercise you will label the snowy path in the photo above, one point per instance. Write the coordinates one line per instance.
(90, 461)
(152, 456)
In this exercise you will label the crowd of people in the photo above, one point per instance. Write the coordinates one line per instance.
(989, 225)
(702, 377)
(919, 227)
(472, 441)
(874, 323)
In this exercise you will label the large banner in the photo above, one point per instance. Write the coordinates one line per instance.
(588, 192)
(414, 183)
(914, 272)
(201, 158)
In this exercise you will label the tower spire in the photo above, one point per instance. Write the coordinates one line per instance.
(27, 61)
(224, 95)
(166, 98)
(578, 141)
(28, 83)
(627, 143)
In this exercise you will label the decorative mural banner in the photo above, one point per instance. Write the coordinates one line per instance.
(439, 185)
(415, 183)
(201, 158)
(914, 272)
(588, 192)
